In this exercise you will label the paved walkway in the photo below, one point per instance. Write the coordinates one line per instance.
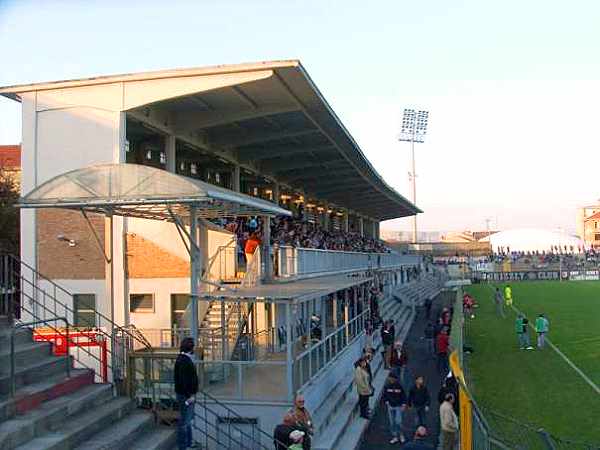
(377, 436)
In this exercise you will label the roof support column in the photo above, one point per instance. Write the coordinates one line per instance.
(345, 221)
(289, 354)
(276, 194)
(170, 153)
(266, 249)
(235, 179)
(195, 268)
(361, 226)
(375, 229)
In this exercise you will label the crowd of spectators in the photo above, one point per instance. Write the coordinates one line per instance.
(298, 232)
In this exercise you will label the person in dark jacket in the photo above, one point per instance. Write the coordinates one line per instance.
(419, 399)
(281, 434)
(387, 339)
(186, 387)
(395, 400)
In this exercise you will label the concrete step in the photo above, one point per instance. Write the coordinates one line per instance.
(35, 371)
(31, 396)
(25, 354)
(80, 428)
(160, 438)
(22, 336)
(50, 415)
(120, 435)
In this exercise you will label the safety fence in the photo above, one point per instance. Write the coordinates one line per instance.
(486, 429)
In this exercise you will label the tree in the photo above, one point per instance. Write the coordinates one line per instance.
(9, 214)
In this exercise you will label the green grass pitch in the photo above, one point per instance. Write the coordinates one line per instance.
(539, 387)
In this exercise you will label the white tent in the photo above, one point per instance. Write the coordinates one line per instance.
(532, 239)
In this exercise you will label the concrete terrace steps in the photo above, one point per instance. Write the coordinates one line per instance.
(159, 438)
(25, 354)
(334, 417)
(31, 396)
(35, 371)
(81, 427)
(50, 415)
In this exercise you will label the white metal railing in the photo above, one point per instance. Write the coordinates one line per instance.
(306, 262)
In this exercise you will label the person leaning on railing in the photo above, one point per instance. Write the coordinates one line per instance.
(186, 388)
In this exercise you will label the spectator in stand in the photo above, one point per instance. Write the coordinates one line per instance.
(399, 361)
(429, 338)
(395, 399)
(419, 399)
(448, 423)
(281, 434)
(428, 304)
(541, 328)
(418, 442)
(186, 388)
(298, 439)
(387, 339)
(443, 342)
(250, 247)
(303, 421)
(363, 388)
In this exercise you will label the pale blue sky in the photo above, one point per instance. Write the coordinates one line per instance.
(513, 124)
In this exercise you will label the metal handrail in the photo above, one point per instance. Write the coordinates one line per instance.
(13, 364)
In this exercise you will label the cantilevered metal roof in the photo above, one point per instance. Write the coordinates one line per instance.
(269, 117)
(141, 191)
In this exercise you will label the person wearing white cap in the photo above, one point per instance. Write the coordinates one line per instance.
(297, 437)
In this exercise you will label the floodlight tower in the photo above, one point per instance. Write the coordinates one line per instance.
(414, 128)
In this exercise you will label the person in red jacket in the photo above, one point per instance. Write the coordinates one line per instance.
(251, 245)
(399, 361)
(443, 342)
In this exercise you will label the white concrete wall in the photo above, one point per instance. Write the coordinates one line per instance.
(161, 288)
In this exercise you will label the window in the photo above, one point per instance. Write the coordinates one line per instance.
(141, 303)
(179, 303)
(597, 237)
(84, 306)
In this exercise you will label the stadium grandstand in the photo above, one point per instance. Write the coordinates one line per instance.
(226, 203)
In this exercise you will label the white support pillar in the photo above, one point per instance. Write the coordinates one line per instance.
(235, 178)
(375, 229)
(266, 249)
(345, 221)
(361, 225)
(195, 268)
(170, 153)
(289, 353)
(276, 194)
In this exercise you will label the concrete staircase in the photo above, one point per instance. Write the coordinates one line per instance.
(51, 411)
(337, 421)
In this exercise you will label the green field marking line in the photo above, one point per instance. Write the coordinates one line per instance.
(563, 356)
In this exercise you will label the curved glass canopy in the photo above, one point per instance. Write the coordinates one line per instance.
(143, 191)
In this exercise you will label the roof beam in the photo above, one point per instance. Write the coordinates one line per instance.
(315, 179)
(232, 141)
(266, 153)
(283, 165)
(209, 119)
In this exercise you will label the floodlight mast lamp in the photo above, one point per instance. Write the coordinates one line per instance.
(414, 129)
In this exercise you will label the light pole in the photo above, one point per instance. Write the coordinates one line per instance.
(414, 128)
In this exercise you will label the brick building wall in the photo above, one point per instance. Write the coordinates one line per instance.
(58, 260)
(147, 260)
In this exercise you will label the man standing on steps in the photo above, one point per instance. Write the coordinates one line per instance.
(363, 387)
(419, 399)
(448, 423)
(186, 387)
(419, 443)
(499, 302)
(541, 328)
(395, 400)
(303, 420)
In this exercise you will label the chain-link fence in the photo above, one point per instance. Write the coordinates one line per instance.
(485, 429)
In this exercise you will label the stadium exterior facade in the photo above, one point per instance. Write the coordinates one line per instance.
(250, 140)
